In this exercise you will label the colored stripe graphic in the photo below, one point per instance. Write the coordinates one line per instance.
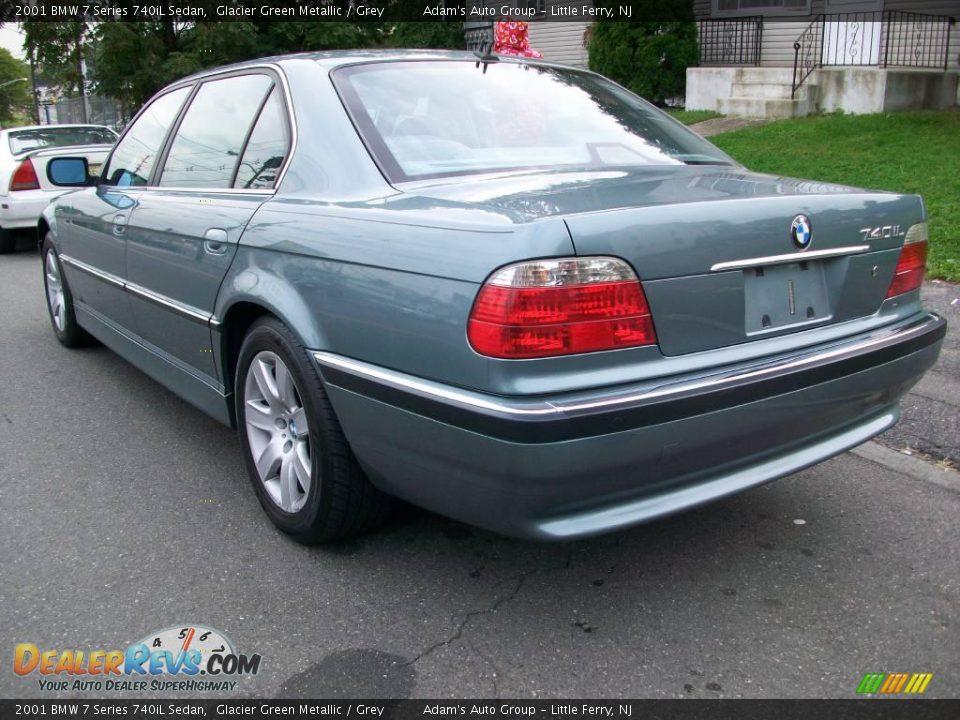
(871, 683)
(894, 683)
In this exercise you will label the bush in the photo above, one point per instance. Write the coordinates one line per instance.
(649, 56)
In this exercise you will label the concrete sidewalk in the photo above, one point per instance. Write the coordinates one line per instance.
(931, 411)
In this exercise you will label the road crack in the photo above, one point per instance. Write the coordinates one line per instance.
(469, 617)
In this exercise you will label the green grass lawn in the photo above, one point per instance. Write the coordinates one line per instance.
(909, 152)
(689, 117)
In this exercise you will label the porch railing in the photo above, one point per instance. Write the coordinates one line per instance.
(888, 38)
(734, 41)
(916, 40)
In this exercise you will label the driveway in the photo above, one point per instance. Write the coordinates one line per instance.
(124, 511)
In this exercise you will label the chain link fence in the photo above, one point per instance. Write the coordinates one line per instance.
(100, 111)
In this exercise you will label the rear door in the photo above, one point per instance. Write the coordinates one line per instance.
(220, 165)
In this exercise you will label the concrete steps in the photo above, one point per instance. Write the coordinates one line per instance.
(766, 97)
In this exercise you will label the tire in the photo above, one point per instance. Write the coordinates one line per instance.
(60, 300)
(340, 501)
(8, 241)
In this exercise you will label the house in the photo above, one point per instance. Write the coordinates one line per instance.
(786, 58)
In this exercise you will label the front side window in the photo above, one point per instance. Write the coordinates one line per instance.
(136, 153)
(441, 118)
(21, 141)
(266, 148)
(208, 143)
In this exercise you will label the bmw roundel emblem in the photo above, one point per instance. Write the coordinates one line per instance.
(801, 231)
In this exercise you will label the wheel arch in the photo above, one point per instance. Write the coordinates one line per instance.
(43, 227)
(242, 312)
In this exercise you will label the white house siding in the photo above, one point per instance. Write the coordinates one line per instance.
(778, 39)
(560, 42)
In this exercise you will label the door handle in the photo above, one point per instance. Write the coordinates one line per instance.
(215, 241)
(119, 224)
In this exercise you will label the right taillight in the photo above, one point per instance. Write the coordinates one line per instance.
(24, 177)
(912, 261)
(546, 308)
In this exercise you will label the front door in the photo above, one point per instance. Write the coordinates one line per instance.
(220, 166)
(851, 33)
(94, 246)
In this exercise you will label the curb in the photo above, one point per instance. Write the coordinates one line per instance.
(909, 465)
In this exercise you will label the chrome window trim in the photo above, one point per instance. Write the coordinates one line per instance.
(519, 409)
(182, 309)
(205, 191)
(788, 258)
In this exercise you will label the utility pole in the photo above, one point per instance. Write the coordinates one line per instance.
(33, 83)
(82, 80)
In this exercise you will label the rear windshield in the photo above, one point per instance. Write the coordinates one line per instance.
(440, 118)
(33, 139)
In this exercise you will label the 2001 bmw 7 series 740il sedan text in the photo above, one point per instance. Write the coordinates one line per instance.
(508, 291)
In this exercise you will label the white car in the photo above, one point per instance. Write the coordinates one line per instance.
(25, 189)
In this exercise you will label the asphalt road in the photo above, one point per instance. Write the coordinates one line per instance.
(931, 411)
(123, 510)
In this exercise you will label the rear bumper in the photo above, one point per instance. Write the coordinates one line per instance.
(579, 464)
(22, 208)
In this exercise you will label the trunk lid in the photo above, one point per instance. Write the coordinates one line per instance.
(708, 242)
(96, 155)
(722, 272)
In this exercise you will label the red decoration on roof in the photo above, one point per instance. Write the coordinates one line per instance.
(511, 38)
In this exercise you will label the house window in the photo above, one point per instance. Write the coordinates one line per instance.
(757, 7)
(539, 6)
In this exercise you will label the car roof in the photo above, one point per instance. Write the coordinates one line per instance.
(330, 59)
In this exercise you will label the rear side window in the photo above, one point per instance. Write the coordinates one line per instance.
(59, 136)
(266, 148)
(135, 155)
(208, 143)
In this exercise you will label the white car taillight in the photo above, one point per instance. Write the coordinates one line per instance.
(24, 177)
(545, 308)
(912, 262)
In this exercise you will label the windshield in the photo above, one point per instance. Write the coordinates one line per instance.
(53, 136)
(438, 118)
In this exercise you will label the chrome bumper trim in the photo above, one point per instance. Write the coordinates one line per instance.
(665, 392)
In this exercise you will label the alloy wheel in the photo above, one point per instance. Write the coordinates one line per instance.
(55, 295)
(277, 431)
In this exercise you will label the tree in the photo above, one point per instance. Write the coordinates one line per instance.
(14, 90)
(58, 48)
(437, 34)
(134, 60)
(648, 55)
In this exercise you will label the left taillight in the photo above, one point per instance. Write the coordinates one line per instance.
(911, 263)
(24, 177)
(546, 308)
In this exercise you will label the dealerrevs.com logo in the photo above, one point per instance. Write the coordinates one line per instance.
(190, 658)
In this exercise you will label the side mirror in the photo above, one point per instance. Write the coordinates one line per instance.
(69, 172)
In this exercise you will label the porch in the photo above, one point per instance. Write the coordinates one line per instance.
(859, 62)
